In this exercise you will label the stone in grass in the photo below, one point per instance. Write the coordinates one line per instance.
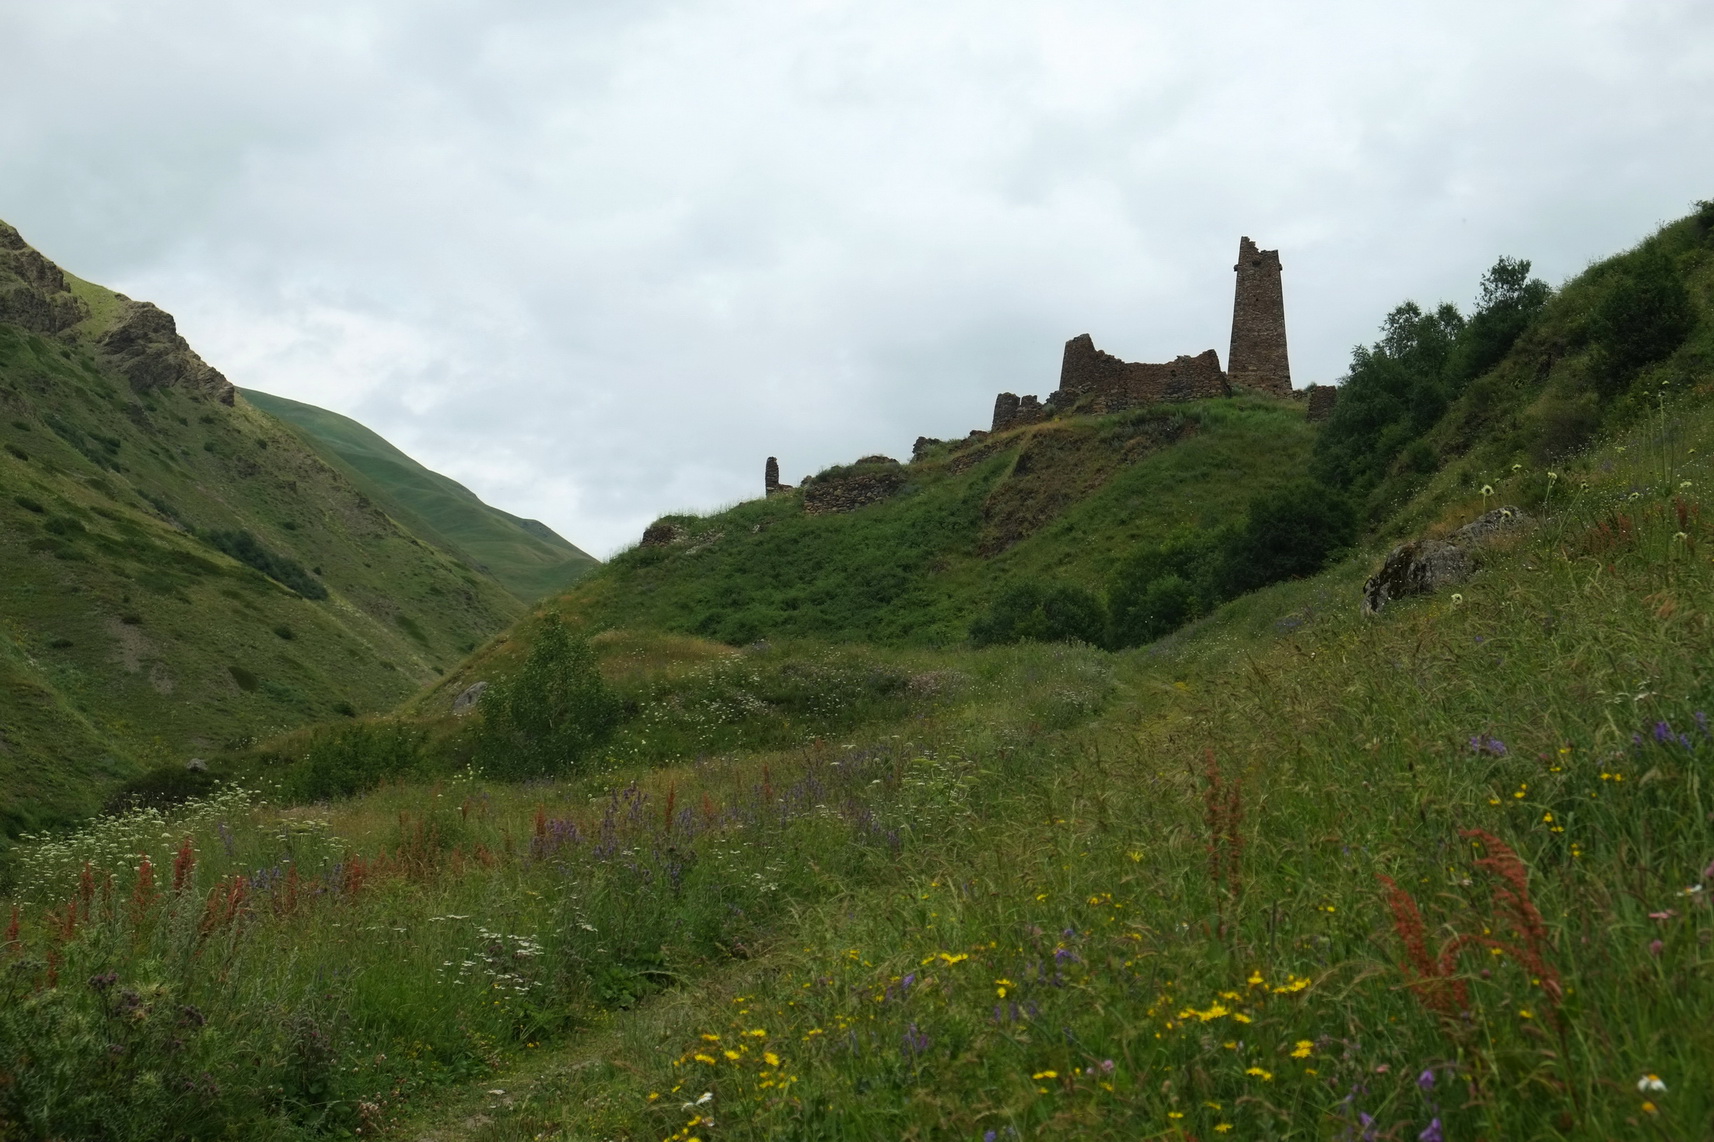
(466, 701)
(1424, 566)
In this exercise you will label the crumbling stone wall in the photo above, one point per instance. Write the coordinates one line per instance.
(1321, 399)
(1257, 358)
(771, 479)
(850, 491)
(1088, 372)
(1014, 412)
(1094, 380)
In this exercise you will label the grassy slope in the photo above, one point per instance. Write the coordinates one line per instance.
(527, 557)
(128, 641)
(848, 913)
(1072, 496)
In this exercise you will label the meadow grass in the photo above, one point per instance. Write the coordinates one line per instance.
(235, 965)
(1173, 923)
(1291, 873)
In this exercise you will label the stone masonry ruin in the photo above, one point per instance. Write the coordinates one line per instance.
(1096, 381)
(1257, 358)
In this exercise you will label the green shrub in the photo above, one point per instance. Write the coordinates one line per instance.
(246, 549)
(1161, 587)
(1289, 533)
(1645, 315)
(1036, 612)
(344, 760)
(551, 714)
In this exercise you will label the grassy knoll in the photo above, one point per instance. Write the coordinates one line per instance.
(1065, 501)
(527, 557)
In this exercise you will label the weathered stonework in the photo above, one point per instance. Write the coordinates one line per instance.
(1087, 372)
(771, 479)
(1257, 358)
(1093, 380)
(854, 490)
(1321, 399)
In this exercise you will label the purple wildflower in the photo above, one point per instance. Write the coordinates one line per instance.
(1431, 1132)
(915, 1042)
(1662, 731)
(1425, 1081)
(1701, 721)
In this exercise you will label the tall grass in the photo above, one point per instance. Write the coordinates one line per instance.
(1461, 893)
(232, 967)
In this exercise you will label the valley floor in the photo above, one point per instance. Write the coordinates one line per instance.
(1291, 873)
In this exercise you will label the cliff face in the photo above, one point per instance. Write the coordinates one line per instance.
(34, 294)
(140, 339)
(147, 350)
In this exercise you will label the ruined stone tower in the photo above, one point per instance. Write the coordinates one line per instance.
(771, 479)
(1257, 358)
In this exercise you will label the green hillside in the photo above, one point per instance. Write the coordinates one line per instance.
(1066, 501)
(527, 557)
(816, 866)
(178, 571)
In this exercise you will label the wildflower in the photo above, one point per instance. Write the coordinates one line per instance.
(1431, 1132)
(1303, 1049)
(1222, 1128)
(1425, 1081)
(1650, 1108)
(1265, 1076)
(1650, 1082)
(1045, 1075)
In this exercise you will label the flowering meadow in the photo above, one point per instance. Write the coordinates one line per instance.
(1441, 874)
(1290, 874)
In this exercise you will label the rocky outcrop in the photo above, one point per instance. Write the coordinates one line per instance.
(146, 346)
(34, 294)
(1424, 566)
(465, 702)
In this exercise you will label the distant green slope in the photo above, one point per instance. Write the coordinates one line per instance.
(130, 635)
(526, 556)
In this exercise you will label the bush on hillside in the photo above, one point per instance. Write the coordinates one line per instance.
(1288, 533)
(1037, 612)
(1161, 587)
(1400, 387)
(1645, 314)
(551, 714)
(245, 548)
(342, 761)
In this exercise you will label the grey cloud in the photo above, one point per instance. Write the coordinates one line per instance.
(598, 260)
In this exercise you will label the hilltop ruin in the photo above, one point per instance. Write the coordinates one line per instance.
(1096, 381)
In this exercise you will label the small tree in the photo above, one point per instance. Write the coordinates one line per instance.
(1645, 315)
(1290, 532)
(551, 714)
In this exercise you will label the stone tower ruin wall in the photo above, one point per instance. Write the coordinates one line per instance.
(1257, 358)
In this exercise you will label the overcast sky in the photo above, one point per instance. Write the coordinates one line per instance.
(597, 260)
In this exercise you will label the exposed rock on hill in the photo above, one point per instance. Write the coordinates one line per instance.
(1424, 566)
(34, 294)
(146, 347)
